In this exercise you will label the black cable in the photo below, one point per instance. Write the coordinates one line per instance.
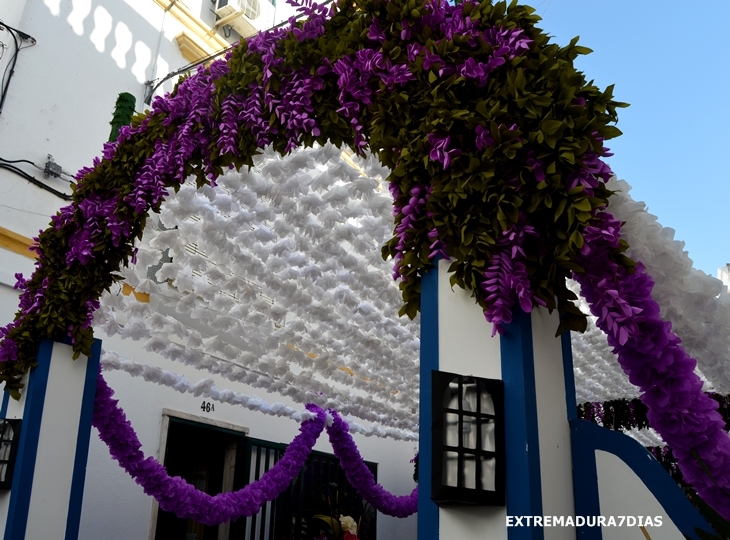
(11, 67)
(18, 161)
(68, 176)
(35, 181)
(18, 38)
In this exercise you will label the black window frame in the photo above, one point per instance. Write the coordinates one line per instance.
(15, 425)
(445, 495)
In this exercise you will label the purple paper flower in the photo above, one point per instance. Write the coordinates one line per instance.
(376, 33)
(651, 355)
(395, 75)
(438, 247)
(65, 215)
(536, 166)
(483, 138)
(440, 149)
(8, 350)
(509, 42)
(413, 50)
(408, 215)
(506, 281)
(20, 282)
(430, 59)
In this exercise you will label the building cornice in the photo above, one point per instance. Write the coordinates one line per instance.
(17, 243)
(197, 40)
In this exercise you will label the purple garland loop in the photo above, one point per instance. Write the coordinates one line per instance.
(651, 355)
(176, 495)
(360, 476)
(173, 493)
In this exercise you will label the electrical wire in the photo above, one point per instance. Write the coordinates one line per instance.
(68, 176)
(20, 161)
(34, 181)
(150, 91)
(18, 38)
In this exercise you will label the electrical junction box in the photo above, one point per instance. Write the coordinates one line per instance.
(52, 169)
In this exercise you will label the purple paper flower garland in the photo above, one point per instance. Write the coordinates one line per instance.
(651, 355)
(506, 281)
(360, 476)
(176, 495)
(627, 414)
(406, 218)
(173, 493)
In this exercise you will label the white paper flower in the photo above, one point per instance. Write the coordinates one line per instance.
(348, 524)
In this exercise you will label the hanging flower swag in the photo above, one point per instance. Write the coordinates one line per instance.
(176, 495)
(628, 414)
(494, 141)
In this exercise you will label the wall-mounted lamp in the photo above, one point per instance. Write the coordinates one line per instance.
(468, 440)
(9, 440)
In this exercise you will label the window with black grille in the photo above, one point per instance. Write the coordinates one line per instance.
(468, 440)
(9, 439)
(314, 501)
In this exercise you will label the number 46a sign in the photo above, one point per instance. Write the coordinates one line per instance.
(207, 406)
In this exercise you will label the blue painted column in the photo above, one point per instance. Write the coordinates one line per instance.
(531, 361)
(57, 407)
(428, 512)
(522, 444)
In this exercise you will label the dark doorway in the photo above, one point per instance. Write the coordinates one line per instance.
(216, 459)
(205, 456)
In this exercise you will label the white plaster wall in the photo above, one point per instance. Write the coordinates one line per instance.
(54, 467)
(11, 11)
(556, 469)
(62, 96)
(622, 493)
(723, 274)
(466, 347)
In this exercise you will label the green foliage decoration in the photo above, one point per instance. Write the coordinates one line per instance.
(123, 112)
(545, 121)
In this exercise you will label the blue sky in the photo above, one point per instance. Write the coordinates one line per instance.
(671, 61)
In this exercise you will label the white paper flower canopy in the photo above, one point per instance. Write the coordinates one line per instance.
(277, 281)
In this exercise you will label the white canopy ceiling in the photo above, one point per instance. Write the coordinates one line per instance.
(276, 280)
